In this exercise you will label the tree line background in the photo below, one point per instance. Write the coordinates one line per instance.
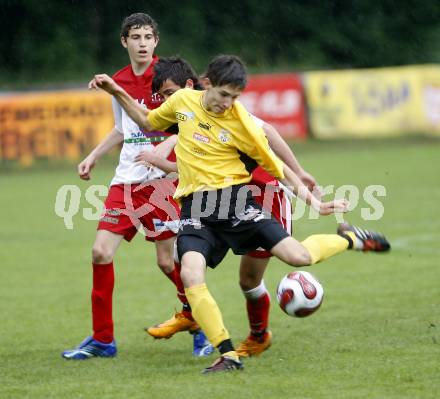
(54, 42)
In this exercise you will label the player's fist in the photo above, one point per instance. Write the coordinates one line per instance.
(336, 206)
(84, 168)
(104, 82)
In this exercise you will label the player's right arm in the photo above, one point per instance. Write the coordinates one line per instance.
(135, 111)
(115, 137)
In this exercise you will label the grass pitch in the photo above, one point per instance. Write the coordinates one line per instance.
(375, 336)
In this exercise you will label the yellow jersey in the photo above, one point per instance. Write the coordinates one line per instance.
(213, 150)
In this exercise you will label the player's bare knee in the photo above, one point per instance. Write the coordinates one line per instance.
(300, 258)
(166, 264)
(303, 259)
(101, 254)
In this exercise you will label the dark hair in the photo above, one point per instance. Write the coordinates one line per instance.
(136, 21)
(176, 69)
(227, 70)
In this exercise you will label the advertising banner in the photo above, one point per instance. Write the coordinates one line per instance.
(363, 102)
(430, 92)
(374, 102)
(278, 99)
(58, 125)
(67, 124)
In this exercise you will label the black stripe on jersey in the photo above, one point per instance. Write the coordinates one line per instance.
(173, 129)
(249, 163)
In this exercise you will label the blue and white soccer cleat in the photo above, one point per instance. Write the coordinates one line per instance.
(202, 347)
(91, 348)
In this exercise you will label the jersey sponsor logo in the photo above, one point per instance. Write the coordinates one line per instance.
(201, 137)
(224, 136)
(205, 126)
(184, 116)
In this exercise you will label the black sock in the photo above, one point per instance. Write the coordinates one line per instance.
(348, 238)
(186, 307)
(225, 346)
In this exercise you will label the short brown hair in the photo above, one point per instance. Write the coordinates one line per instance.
(136, 21)
(227, 70)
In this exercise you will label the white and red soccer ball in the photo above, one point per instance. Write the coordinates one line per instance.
(299, 294)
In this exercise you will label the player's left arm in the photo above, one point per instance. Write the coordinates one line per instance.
(292, 181)
(282, 149)
(134, 110)
(259, 150)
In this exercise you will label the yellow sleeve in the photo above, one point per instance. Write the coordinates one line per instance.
(163, 117)
(254, 143)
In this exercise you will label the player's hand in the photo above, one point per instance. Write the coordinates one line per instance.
(311, 184)
(164, 148)
(336, 206)
(147, 158)
(104, 82)
(85, 167)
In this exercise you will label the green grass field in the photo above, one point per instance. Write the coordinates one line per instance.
(375, 336)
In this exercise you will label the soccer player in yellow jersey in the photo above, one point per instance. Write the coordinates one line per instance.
(218, 144)
(170, 75)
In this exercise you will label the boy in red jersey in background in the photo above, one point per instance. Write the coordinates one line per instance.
(172, 74)
(134, 194)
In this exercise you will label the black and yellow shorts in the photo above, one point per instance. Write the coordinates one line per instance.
(212, 222)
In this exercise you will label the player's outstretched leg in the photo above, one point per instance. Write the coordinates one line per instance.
(91, 348)
(202, 346)
(363, 240)
(179, 322)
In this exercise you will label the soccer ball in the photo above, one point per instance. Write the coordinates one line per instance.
(299, 294)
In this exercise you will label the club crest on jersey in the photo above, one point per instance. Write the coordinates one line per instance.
(201, 137)
(224, 136)
(184, 116)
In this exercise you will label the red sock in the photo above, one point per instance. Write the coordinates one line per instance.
(258, 314)
(102, 292)
(174, 276)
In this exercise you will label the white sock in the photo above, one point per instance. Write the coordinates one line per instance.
(257, 292)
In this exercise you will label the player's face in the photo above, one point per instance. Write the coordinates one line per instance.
(169, 87)
(220, 98)
(140, 44)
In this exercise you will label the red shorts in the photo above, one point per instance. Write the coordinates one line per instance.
(274, 200)
(130, 205)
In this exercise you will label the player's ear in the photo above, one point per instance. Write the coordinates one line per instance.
(206, 83)
(189, 84)
(124, 41)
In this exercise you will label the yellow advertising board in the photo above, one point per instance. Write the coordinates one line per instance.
(59, 125)
(373, 102)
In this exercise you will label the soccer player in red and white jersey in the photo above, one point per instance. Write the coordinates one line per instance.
(172, 74)
(137, 195)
